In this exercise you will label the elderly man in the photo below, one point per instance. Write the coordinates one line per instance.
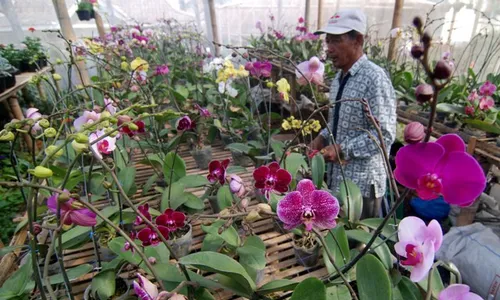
(351, 144)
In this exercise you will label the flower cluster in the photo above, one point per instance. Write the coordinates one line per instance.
(168, 222)
(259, 69)
(71, 211)
(309, 127)
(482, 100)
(271, 178)
(226, 75)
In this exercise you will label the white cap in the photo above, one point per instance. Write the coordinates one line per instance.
(345, 21)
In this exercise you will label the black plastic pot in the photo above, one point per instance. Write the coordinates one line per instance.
(25, 65)
(180, 246)
(84, 15)
(10, 81)
(2, 84)
(306, 257)
(202, 157)
(241, 159)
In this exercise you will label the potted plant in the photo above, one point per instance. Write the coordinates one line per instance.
(107, 284)
(84, 11)
(218, 195)
(7, 77)
(33, 56)
(11, 54)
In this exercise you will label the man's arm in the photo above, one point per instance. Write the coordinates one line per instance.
(381, 99)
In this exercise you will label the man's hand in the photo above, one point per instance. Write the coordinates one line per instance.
(331, 153)
(317, 143)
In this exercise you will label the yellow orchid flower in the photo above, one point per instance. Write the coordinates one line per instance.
(139, 64)
(286, 125)
(296, 124)
(283, 89)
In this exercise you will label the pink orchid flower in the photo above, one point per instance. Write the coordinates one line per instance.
(217, 171)
(70, 213)
(458, 292)
(185, 123)
(203, 111)
(469, 110)
(144, 209)
(487, 89)
(418, 243)
(88, 117)
(308, 206)
(271, 177)
(171, 219)
(441, 168)
(259, 68)
(161, 70)
(108, 104)
(104, 146)
(32, 113)
(312, 71)
(473, 96)
(146, 290)
(486, 102)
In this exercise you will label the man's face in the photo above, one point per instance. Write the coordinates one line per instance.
(341, 50)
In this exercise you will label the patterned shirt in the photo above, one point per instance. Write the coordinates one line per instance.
(365, 165)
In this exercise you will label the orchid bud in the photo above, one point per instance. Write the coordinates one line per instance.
(287, 55)
(426, 40)
(414, 132)
(107, 185)
(79, 147)
(265, 208)
(244, 202)
(442, 70)
(134, 88)
(63, 197)
(50, 151)
(113, 120)
(105, 114)
(270, 84)
(417, 22)
(75, 196)
(44, 123)
(36, 229)
(225, 212)
(56, 77)
(236, 185)
(245, 55)
(152, 260)
(6, 136)
(424, 93)
(133, 127)
(50, 132)
(124, 119)
(253, 216)
(417, 51)
(41, 172)
(81, 138)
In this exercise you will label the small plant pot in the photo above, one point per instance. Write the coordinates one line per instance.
(202, 157)
(161, 183)
(122, 291)
(10, 81)
(83, 15)
(441, 116)
(2, 84)
(227, 139)
(306, 257)
(253, 133)
(214, 204)
(180, 246)
(241, 159)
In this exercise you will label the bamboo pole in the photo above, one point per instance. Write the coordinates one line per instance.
(215, 32)
(68, 32)
(320, 14)
(100, 25)
(306, 14)
(396, 22)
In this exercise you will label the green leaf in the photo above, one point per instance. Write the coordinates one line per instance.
(126, 178)
(73, 274)
(450, 108)
(203, 294)
(276, 286)
(176, 197)
(147, 186)
(21, 225)
(382, 251)
(116, 245)
(212, 242)
(294, 162)
(339, 247)
(253, 253)
(230, 235)
(239, 147)
(354, 203)
(194, 181)
(174, 167)
(278, 148)
(389, 230)
(9, 249)
(193, 201)
(318, 170)
(224, 197)
(104, 284)
(482, 125)
(338, 292)
(372, 279)
(309, 289)
(168, 272)
(16, 283)
(437, 283)
(222, 264)
(160, 252)
(153, 160)
(235, 170)
(121, 157)
(406, 290)
(182, 91)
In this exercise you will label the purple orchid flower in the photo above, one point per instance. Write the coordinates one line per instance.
(458, 292)
(70, 213)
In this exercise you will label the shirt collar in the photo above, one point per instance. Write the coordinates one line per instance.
(357, 65)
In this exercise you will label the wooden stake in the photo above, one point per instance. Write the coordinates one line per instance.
(320, 14)
(68, 32)
(306, 14)
(215, 32)
(100, 26)
(396, 22)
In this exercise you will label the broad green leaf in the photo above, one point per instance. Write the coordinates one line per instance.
(203, 294)
(337, 243)
(309, 289)
(232, 284)
(352, 204)
(389, 229)
(176, 196)
(253, 253)
(230, 235)
(193, 201)
(222, 264)
(159, 252)
(338, 292)
(9, 249)
(182, 91)
(147, 186)
(16, 283)
(168, 272)
(153, 160)
(276, 286)
(406, 290)
(372, 279)
(382, 251)
(193, 181)
(117, 244)
(239, 147)
(294, 162)
(212, 242)
(121, 157)
(224, 197)
(73, 273)
(482, 125)
(318, 170)
(450, 108)
(104, 284)
(235, 169)
(437, 283)
(174, 167)
(278, 148)
(126, 177)
(172, 144)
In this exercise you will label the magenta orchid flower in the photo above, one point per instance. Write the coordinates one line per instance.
(473, 96)
(487, 89)
(88, 117)
(418, 244)
(126, 129)
(146, 290)
(172, 220)
(184, 123)
(308, 206)
(104, 146)
(32, 113)
(203, 111)
(271, 177)
(458, 292)
(486, 102)
(259, 68)
(237, 186)
(312, 70)
(441, 168)
(217, 171)
(144, 210)
(161, 70)
(149, 237)
(71, 213)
